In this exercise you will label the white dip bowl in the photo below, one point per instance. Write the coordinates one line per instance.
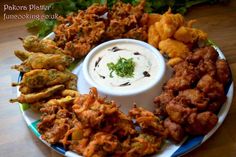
(141, 88)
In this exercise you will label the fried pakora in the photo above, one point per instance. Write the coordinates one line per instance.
(212, 88)
(36, 97)
(195, 97)
(147, 121)
(42, 61)
(168, 24)
(22, 55)
(79, 33)
(223, 71)
(201, 123)
(153, 36)
(175, 130)
(178, 110)
(190, 35)
(161, 101)
(193, 94)
(47, 46)
(41, 78)
(173, 48)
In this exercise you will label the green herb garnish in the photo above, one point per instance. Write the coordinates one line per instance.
(123, 68)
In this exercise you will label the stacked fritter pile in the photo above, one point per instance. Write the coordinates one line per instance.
(45, 72)
(93, 126)
(79, 33)
(194, 94)
(174, 36)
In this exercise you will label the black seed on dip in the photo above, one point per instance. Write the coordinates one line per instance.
(146, 74)
(97, 62)
(136, 53)
(103, 77)
(125, 84)
(114, 49)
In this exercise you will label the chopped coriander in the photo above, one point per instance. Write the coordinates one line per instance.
(123, 68)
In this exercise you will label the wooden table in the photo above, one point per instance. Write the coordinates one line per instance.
(17, 140)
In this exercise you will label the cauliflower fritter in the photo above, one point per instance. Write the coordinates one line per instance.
(190, 35)
(174, 48)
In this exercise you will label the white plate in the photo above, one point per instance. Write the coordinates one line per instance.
(168, 150)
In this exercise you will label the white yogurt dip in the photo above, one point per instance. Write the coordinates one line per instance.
(149, 73)
(145, 70)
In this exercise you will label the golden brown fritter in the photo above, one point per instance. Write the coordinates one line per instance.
(201, 123)
(42, 78)
(22, 55)
(101, 145)
(153, 18)
(161, 101)
(43, 61)
(90, 27)
(178, 110)
(143, 145)
(175, 130)
(207, 53)
(91, 110)
(212, 88)
(190, 35)
(153, 36)
(147, 121)
(41, 95)
(223, 71)
(195, 97)
(34, 44)
(207, 67)
(173, 48)
(168, 24)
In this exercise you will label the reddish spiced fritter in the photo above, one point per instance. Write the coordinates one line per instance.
(79, 33)
(194, 94)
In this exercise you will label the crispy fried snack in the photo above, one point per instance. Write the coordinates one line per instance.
(174, 61)
(22, 55)
(195, 97)
(84, 32)
(201, 123)
(143, 145)
(72, 82)
(175, 130)
(153, 36)
(92, 110)
(178, 110)
(41, 78)
(161, 101)
(223, 71)
(102, 144)
(185, 75)
(35, 97)
(153, 18)
(127, 21)
(190, 35)
(93, 126)
(42, 61)
(193, 94)
(174, 48)
(212, 88)
(168, 24)
(34, 44)
(70, 92)
(147, 121)
(207, 53)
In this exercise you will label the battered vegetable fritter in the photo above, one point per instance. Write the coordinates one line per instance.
(42, 61)
(41, 78)
(36, 97)
(47, 46)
